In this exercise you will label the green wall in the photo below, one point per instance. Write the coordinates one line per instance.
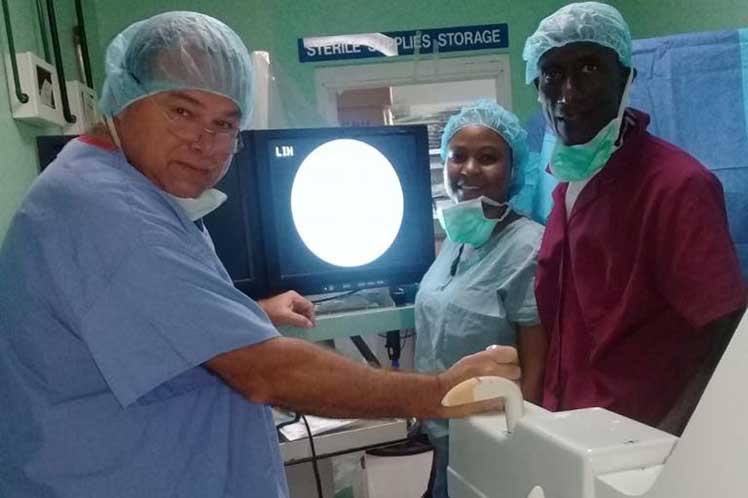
(274, 25)
(649, 18)
(249, 18)
(19, 165)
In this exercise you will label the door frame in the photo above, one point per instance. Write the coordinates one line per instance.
(333, 80)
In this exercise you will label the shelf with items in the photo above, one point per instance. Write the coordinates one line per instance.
(435, 122)
(439, 195)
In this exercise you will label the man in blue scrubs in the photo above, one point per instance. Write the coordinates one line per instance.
(130, 365)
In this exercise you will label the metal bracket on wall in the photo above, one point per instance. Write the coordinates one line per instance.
(40, 15)
(58, 63)
(22, 97)
(83, 43)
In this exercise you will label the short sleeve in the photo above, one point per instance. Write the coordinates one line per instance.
(518, 291)
(695, 264)
(164, 312)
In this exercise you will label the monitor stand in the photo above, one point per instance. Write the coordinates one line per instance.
(364, 299)
(380, 316)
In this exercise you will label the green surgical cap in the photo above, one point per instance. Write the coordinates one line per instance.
(491, 115)
(578, 22)
(177, 51)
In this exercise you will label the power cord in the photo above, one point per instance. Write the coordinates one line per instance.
(314, 458)
(403, 337)
(297, 417)
(394, 343)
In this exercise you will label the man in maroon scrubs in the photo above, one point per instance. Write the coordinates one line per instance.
(638, 284)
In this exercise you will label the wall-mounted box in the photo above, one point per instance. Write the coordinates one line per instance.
(39, 81)
(84, 106)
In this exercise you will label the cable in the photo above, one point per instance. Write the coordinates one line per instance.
(314, 458)
(337, 296)
(403, 338)
(393, 344)
(296, 418)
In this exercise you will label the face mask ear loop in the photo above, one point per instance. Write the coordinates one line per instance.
(112, 128)
(506, 212)
(625, 99)
(491, 202)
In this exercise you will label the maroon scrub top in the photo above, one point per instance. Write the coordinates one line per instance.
(644, 261)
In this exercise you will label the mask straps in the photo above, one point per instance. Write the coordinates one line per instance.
(494, 203)
(624, 101)
(113, 132)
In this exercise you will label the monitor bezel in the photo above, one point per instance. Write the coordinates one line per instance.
(344, 279)
(244, 167)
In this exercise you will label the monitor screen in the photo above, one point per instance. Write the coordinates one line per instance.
(344, 208)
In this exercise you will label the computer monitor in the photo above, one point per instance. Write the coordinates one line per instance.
(235, 225)
(344, 208)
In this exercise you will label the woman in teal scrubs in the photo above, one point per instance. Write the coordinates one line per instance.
(480, 289)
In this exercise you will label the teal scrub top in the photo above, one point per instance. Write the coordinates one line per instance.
(489, 293)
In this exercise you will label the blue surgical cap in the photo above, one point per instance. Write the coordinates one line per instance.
(505, 123)
(578, 22)
(177, 51)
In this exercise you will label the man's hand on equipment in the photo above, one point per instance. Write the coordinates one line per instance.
(499, 361)
(289, 308)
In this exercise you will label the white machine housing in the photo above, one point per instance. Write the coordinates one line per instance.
(595, 453)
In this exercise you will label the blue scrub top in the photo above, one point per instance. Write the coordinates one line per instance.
(489, 294)
(111, 301)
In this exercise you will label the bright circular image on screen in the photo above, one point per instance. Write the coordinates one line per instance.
(347, 202)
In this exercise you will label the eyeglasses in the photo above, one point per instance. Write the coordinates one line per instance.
(186, 126)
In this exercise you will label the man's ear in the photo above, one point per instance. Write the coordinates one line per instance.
(535, 82)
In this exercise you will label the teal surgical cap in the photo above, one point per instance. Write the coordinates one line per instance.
(505, 123)
(578, 22)
(177, 51)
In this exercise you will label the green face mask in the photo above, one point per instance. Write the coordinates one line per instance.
(465, 222)
(572, 163)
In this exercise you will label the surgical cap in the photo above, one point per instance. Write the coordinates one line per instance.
(578, 22)
(177, 51)
(493, 116)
